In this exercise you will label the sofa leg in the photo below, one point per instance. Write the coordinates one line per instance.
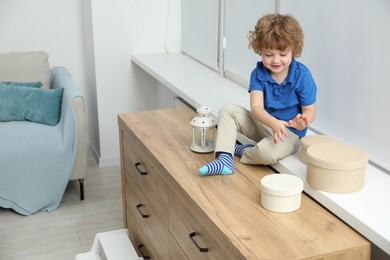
(81, 181)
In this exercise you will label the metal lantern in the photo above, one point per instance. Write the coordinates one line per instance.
(203, 131)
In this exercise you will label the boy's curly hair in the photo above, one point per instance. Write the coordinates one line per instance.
(278, 32)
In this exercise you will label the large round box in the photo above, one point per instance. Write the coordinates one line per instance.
(310, 140)
(281, 192)
(336, 167)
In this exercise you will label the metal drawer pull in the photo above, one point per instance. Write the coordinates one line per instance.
(139, 170)
(142, 253)
(140, 212)
(201, 249)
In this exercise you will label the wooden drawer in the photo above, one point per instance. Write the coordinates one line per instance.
(195, 233)
(147, 219)
(138, 239)
(175, 252)
(143, 169)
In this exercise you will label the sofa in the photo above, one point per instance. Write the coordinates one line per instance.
(43, 133)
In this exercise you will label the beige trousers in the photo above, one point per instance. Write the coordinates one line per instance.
(235, 119)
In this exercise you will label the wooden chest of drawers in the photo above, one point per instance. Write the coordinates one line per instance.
(173, 213)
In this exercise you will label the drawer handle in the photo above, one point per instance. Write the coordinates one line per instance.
(201, 249)
(139, 170)
(140, 212)
(142, 253)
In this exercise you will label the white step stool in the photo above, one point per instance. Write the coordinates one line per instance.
(112, 245)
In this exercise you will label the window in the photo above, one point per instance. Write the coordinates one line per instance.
(200, 30)
(346, 49)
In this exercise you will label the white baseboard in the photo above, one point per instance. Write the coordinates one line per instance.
(109, 162)
(103, 161)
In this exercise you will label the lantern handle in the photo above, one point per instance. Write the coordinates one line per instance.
(203, 111)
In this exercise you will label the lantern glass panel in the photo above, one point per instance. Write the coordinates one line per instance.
(203, 139)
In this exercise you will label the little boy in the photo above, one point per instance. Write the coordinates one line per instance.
(282, 100)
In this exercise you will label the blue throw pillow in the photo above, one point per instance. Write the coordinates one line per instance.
(19, 103)
(35, 84)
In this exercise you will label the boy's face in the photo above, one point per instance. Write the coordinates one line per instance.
(277, 61)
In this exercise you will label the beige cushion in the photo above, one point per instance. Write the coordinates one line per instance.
(25, 67)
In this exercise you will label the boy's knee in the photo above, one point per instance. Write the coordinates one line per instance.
(229, 109)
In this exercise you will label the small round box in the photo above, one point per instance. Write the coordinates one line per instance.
(310, 140)
(336, 167)
(281, 192)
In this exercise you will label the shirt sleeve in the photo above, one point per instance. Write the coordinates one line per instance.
(307, 91)
(254, 83)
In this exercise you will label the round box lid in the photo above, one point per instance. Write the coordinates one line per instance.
(310, 140)
(337, 156)
(281, 184)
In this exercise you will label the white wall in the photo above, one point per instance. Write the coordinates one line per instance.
(53, 26)
(94, 40)
(118, 31)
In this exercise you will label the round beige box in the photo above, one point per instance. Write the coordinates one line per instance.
(281, 192)
(336, 167)
(310, 140)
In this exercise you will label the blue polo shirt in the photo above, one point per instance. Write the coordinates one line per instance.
(284, 101)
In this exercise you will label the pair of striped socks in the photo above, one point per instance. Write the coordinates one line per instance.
(224, 163)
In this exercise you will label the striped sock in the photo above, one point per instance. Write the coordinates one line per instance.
(239, 149)
(224, 164)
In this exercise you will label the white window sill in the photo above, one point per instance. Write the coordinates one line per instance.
(367, 211)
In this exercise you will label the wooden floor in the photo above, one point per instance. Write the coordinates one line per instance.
(71, 228)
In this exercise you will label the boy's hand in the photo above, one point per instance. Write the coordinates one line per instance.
(279, 130)
(300, 122)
